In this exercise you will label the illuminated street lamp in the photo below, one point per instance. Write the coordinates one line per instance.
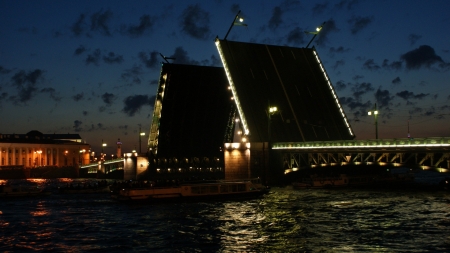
(236, 21)
(39, 162)
(374, 112)
(140, 135)
(272, 111)
(103, 145)
(318, 29)
(82, 155)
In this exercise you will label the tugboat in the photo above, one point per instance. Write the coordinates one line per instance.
(195, 190)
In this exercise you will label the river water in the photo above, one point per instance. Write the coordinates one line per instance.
(284, 220)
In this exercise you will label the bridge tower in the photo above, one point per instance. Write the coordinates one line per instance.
(119, 148)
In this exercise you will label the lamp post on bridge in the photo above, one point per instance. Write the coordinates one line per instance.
(238, 20)
(375, 114)
(102, 155)
(272, 111)
(140, 135)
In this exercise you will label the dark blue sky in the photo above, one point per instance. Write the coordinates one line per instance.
(91, 67)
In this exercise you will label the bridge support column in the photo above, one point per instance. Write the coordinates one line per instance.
(251, 160)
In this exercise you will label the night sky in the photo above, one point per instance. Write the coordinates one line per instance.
(92, 67)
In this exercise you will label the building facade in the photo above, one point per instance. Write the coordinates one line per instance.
(35, 149)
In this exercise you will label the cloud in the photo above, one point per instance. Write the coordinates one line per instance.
(78, 27)
(371, 65)
(348, 4)
(407, 95)
(356, 107)
(181, 57)
(52, 92)
(134, 74)
(99, 22)
(396, 80)
(413, 38)
(340, 49)
(396, 65)
(4, 71)
(146, 23)
(383, 97)
(340, 85)
(95, 127)
(424, 56)
(78, 97)
(81, 49)
(26, 84)
(357, 77)
(360, 89)
(94, 58)
(108, 98)
(235, 8)
(338, 64)
(150, 60)
(359, 23)
(276, 19)
(111, 57)
(77, 126)
(296, 36)
(215, 61)
(319, 8)
(195, 21)
(133, 104)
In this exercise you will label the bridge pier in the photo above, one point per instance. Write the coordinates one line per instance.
(252, 160)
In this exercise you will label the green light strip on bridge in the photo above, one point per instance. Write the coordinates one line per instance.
(381, 143)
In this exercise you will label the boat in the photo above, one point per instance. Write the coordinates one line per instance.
(213, 190)
(9, 191)
(85, 188)
(316, 181)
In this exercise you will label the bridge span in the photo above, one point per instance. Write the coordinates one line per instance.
(418, 152)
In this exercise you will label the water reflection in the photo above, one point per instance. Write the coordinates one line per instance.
(285, 220)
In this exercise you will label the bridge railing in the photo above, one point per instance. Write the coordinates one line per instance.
(373, 143)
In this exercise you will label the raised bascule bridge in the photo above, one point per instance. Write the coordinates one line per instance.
(268, 111)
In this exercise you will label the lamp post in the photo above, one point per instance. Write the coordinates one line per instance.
(39, 162)
(103, 145)
(315, 33)
(236, 21)
(140, 134)
(82, 156)
(272, 111)
(375, 114)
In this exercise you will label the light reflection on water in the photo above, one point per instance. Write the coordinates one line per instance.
(285, 220)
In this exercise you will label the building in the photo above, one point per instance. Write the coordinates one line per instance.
(35, 149)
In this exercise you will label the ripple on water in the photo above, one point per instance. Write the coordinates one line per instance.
(286, 220)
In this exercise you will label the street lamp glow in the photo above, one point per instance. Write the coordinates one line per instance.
(375, 114)
(272, 110)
